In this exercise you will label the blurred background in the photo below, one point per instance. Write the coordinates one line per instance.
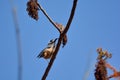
(96, 24)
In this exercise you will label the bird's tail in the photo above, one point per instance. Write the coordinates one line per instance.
(40, 55)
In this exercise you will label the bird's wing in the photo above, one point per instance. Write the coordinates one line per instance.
(41, 54)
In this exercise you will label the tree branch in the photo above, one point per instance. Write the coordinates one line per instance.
(18, 40)
(60, 39)
(44, 12)
(71, 17)
(19, 48)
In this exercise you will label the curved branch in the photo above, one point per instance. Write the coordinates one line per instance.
(60, 39)
(71, 17)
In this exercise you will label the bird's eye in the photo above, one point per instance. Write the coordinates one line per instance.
(51, 40)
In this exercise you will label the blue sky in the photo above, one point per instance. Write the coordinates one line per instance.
(96, 24)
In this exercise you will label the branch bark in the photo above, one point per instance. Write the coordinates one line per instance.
(60, 39)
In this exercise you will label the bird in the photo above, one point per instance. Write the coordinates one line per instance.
(47, 52)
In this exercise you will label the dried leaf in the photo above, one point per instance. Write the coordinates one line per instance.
(61, 29)
(32, 9)
(100, 71)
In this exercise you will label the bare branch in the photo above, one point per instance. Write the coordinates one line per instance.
(59, 41)
(18, 40)
(59, 27)
(18, 46)
(44, 12)
(71, 17)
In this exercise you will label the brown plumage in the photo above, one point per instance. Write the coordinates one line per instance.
(47, 52)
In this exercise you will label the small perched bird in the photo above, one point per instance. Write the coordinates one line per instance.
(61, 28)
(49, 50)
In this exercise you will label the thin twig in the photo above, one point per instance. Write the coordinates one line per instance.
(18, 45)
(18, 40)
(59, 41)
(44, 12)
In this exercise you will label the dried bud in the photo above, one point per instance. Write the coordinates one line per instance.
(60, 27)
(32, 9)
(99, 50)
(103, 54)
(101, 71)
